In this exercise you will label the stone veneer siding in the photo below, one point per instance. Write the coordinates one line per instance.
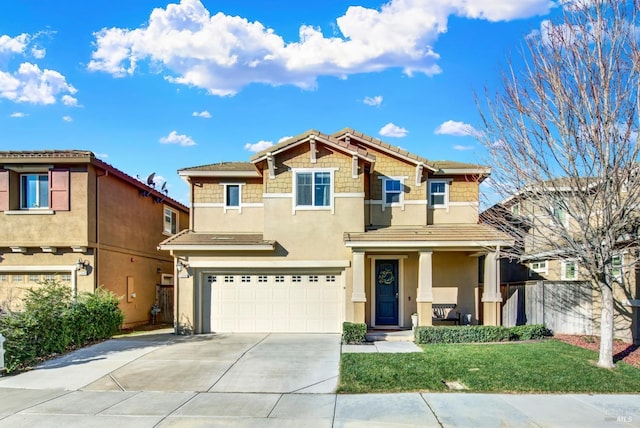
(388, 166)
(210, 190)
(299, 157)
(464, 189)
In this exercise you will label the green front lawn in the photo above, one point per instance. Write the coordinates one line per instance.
(545, 366)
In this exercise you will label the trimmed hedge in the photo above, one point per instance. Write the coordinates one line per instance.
(529, 332)
(52, 322)
(354, 333)
(479, 333)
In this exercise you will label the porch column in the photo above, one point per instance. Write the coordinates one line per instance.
(425, 288)
(491, 296)
(358, 296)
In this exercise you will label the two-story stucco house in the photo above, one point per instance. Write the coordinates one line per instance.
(543, 280)
(70, 217)
(321, 229)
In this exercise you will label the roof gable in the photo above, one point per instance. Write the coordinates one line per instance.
(313, 135)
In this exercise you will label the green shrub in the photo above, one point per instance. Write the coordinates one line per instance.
(53, 322)
(528, 332)
(19, 346)
(461, 334)
(354, 333)
(479, 333)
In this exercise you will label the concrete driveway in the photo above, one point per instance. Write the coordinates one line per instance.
(256, 363)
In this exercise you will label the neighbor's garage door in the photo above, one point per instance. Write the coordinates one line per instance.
(310, 303)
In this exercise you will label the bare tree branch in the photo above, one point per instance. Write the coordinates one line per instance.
(562, 137)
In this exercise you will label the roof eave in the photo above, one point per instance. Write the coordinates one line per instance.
(186, 173)
(210, 247)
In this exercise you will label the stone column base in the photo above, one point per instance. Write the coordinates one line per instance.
(491, 313)
(425, 314)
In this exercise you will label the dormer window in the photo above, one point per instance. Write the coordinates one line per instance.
(34, 191)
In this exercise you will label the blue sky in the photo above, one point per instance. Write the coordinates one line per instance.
(155, 86)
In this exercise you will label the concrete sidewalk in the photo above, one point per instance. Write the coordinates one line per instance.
(162, 380)
(55, 408)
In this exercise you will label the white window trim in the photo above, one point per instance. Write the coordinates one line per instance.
(538, 270)
(553, 220)
(621, 257)
(564, 270)
(447, 183)
(22, 190)
(224, 196)
(384, 192)
(164, 231)
(294, 193)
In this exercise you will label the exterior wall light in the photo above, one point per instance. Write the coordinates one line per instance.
(82, 266)
(181, 267)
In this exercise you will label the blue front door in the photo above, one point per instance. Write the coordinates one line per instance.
(386, 281)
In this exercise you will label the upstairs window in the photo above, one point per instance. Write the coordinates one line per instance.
(232, 195)
(34, 191)
(438, 194)
(515, 209)
(560, 213)
(539, 266)
(616, 266)
(392, 191)
(313, 189)
(569, 270)
(170, 221)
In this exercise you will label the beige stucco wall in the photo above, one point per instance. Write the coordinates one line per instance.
(58, 229)
(411, 215)
(455, 279)
(313, 234)
(453, 214)
(215, 219)
(114, 268)
(130, 229)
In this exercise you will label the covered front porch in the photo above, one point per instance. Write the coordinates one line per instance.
(431, 271)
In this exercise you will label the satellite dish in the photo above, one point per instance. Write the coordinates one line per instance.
(164, 187)
(150, 179)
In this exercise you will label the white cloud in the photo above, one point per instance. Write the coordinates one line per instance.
(202, 113)
(29, 83)
(391, 130)
(38, 53)
(68, 100)
(179, 139)
(102, 155)
(462, 148)
(373, 101)
(259, 146)
(457, 129)
(32, 85)
(67, 118)
(14, 45)
(18, 114)
(284, 138)
(223, 53)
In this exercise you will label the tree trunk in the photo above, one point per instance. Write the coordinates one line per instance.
(605, 359)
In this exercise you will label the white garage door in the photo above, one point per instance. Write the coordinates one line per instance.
(309, 303)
